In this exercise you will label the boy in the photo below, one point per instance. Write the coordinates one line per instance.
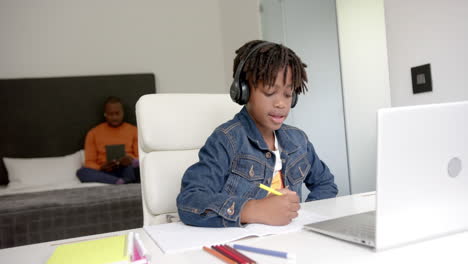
(113, 131)
(256, 147)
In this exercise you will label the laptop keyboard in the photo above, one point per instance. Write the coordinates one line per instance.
(356, 227)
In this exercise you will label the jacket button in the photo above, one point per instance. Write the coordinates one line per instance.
(251, 171)
(268, 155)
(230, 210)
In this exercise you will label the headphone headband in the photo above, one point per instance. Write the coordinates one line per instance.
(240, 67)
(239, 91)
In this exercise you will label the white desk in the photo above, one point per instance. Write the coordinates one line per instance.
(308, 246)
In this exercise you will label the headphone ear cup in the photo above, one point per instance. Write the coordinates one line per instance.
(239, 92)
(235, 91)
(294, 100)
(245, 93)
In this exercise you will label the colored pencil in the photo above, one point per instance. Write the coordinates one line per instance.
(266, 188)
(269, 252)
(228, 254)
(219, 255)
(246, 259)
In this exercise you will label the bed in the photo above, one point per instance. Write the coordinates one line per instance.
(45, 121)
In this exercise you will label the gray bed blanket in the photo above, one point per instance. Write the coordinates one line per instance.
(51, 215)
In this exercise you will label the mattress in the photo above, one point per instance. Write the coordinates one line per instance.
(34, 217)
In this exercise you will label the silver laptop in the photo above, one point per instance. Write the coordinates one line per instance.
(422, 179)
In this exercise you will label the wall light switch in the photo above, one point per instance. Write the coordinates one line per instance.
(421, 78)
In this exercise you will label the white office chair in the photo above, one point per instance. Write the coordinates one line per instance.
(171, 130)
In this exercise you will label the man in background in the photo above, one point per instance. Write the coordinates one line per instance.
(113, 132)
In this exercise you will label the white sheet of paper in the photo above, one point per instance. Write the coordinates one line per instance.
(178, 237)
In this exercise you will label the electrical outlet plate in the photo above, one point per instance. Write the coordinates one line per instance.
(421, 78)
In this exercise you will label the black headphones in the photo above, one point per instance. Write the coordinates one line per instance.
(240, 91)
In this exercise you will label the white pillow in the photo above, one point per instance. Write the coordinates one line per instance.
(82, 157)
(43, 171)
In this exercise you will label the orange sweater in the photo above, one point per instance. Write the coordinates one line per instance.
(102, 135)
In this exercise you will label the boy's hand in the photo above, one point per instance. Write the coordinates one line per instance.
(272, 210)
(126, 161)
(110, 166)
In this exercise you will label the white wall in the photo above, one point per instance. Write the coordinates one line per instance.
(428, 31)
(240, 22)
(185, 43)
(364, 71)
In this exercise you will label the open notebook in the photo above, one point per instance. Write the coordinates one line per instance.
(178, 237)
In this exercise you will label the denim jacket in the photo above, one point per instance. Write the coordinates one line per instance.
(232, 163)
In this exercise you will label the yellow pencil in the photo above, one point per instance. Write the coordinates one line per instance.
(266, 188)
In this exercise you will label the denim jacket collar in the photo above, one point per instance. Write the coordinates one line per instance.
(254, 135)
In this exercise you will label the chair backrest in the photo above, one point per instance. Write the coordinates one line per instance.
(171, 130)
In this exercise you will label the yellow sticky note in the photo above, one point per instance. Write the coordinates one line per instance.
(101, 251)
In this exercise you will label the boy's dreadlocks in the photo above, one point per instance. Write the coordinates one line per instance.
(264, 63)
